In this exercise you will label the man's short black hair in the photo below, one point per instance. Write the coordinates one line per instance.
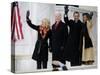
(76, 12)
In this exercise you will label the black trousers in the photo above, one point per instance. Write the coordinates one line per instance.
(41, 64)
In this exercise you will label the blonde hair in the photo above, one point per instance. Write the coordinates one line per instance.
(47, 22)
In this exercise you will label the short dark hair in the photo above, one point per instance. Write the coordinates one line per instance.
(86, 14)
(76, 12)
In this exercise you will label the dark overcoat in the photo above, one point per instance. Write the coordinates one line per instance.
(75, 42)
(59, 37)
(41, 48)
(88, 41)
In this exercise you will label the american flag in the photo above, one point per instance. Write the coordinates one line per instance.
(16, 25)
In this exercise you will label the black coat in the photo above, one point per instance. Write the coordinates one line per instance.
(59, 38)
(41, 48)
(88, 41)
(75, 42)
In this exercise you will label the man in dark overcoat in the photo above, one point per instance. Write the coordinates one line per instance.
(59, 37)
(74, 43)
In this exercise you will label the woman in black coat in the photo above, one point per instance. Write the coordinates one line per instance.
(40, 53)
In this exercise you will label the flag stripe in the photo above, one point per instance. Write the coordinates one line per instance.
(16, 26)
(20, 25)
(13, 27)
(17, 29)
(12, 21)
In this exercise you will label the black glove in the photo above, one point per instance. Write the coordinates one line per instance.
(66, 9)
(27, 15)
